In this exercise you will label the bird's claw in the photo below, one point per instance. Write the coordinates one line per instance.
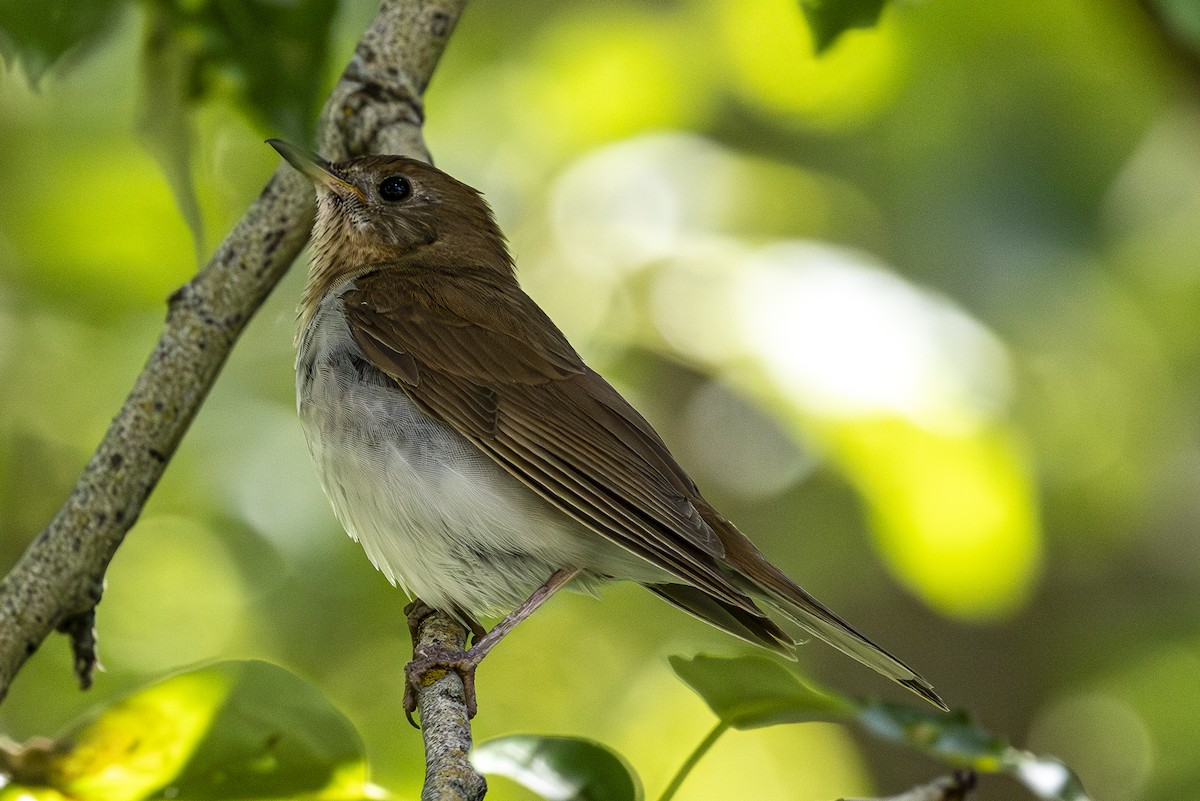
(440, 658)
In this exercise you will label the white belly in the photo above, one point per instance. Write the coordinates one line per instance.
(434, 514)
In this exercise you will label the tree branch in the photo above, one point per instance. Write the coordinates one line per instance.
(375, 108)
(947, 788)
(445, 726)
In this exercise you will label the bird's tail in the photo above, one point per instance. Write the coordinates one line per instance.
(753, 627)
(815, 618)
(764, 580)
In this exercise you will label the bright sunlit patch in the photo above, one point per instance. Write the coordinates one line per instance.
(848, 339)
(902, 390)
(953, 514)
(1046, 778)
(596, 77)
(774, 64)
(142, 742)
(690, 302)
(631, 204)
(519, 762)
(678, 196)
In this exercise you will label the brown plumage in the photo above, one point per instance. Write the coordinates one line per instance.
(462, 439)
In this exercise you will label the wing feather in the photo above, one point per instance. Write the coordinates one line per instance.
(520, 393)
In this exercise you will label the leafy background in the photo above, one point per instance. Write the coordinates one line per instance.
(918, 312)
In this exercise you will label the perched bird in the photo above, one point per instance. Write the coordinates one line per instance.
(463, 441)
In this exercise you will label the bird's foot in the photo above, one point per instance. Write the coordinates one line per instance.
(431, 663)
(435, 657)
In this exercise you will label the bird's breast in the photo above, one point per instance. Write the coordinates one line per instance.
(433, 512)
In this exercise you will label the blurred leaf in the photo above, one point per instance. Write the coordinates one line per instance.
(277, 51)
(561, 768)
(1181, 18)
(164, 121)
(275, 736)
(956, 740)
(752, 691)
(271, 54)
(951, 738)
(747, 692)
(234, 730)
(38, 34)
(829, 19)
(140, 743)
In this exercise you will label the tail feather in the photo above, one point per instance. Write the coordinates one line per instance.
(814, 617)
(755, 575)
(755, 629)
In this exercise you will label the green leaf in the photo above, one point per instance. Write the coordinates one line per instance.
(270, 55)
(164, 124)
(274, 736)
(276, 52)
(752, 691)
(748, 692)
(561, 768)
(951, 738)
(38, 34)
(236, 730)
(1182, 19)
(829, 19)
(956, 740)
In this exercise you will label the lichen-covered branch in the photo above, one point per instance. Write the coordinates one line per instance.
(375, 107)
(449, 776)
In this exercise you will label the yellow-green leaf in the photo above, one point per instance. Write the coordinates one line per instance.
(235, 730)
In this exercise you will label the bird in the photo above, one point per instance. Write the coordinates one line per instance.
(481, 464)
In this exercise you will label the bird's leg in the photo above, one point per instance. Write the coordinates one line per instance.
(429, 658)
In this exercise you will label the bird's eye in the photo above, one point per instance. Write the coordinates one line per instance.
(395, 188)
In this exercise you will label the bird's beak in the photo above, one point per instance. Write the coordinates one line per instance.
(317, 169)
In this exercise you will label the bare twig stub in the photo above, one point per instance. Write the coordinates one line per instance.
(375, 107)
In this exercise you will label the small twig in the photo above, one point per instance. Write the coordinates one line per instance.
(947, 788)
(445, 724)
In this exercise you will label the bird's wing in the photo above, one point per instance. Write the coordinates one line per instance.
(479, 355)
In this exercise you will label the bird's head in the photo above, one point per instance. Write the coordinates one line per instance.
(390, 210)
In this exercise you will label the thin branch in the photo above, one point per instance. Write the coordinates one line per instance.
(375, 107)
(947, 788)
(445, 726)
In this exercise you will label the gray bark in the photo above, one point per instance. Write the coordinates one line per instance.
(376, 107)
